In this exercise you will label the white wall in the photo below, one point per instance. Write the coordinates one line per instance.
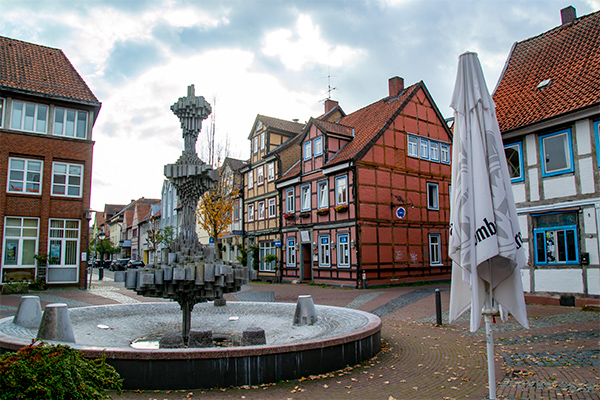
(559, 280)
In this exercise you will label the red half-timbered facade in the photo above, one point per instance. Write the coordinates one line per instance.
(368, 201)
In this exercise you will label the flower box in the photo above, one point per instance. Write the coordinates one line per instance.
(322, 211)
(305, 214)
(289, 215)
(341, 208)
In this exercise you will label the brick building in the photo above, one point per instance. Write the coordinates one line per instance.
(46, 117)
(369, 196)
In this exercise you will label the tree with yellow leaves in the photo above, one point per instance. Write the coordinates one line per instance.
(215, 208)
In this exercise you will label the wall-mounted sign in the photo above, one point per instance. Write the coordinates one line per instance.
(277, 243)
(400, 212)
(305, 236)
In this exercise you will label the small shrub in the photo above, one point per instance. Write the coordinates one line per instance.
(38, 284)
(41, 371)
(15, 288)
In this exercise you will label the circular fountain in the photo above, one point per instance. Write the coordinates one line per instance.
(339, 337)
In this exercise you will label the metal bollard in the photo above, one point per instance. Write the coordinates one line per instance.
(438, 307)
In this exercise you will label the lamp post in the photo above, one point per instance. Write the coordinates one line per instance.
(88, 217)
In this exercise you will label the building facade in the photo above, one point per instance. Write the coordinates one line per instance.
(47, 113)
(231, 242)
(368, 201)
(548, 106)
(271, 153)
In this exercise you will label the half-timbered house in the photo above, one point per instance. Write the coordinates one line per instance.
(367, 203)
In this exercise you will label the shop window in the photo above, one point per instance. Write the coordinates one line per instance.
(63, 245)
(20, 245)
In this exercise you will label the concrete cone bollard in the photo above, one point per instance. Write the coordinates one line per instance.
(29, 312)
(56, 324)
(305, 311)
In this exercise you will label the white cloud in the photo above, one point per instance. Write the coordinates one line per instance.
(304, 46)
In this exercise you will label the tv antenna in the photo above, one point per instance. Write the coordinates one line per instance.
(329, 88)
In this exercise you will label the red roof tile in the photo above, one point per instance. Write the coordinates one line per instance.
(568, 55)
(370, 120)
(40, 69)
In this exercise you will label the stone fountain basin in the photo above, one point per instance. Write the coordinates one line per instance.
(340, 337)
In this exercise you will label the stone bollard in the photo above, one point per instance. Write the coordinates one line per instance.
(171, 340)
(200, 339)
(305, 311)
(120, 276)
(29, 313)
(131, 279)
(253, 336)
(56, 324)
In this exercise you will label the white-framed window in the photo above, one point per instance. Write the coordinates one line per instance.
(341, 190)
(291, 252)
(260, 177)
(445, 153)
(70, 123)
(424, 148)
(262, 141)
(24, 176)
(318, 146)
(324, 251)
(20, 245)
(413, 146)
(1, 112)
(67, 179)
(250, 179)
(307, 150)
(270, 171)
(265, 249)
(433, 201)
(323, 194)
(250, 212)
(514, 159)
(29, 117)
(434, 151)
(63, 248)
(305, 198)
(343, 250)
(272, 208)
(435, 249)
(557, 153)
(289, 200)
(236, 210)
(261, 210)
(255, 144)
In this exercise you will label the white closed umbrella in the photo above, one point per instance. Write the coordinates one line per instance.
(485, 240)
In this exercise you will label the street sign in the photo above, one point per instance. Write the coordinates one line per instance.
(277, 243)
(400, 212)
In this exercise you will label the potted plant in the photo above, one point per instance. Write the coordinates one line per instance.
(341, 208)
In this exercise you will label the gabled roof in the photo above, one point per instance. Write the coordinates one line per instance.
(568, 56)
(275, 123)
(292, 172)
(234, 163)
(39, 69)
(370, 121)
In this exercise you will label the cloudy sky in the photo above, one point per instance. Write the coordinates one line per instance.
(249, 57)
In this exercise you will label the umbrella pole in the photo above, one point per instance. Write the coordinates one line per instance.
(489, 339)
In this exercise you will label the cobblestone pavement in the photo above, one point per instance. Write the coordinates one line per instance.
(556, 359)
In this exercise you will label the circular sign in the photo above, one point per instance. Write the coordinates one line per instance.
(400, 212)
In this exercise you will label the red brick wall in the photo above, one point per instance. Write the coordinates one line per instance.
(48, 149)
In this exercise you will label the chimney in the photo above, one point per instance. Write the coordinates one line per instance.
(568, 15)
(330, 105)
(396, 86)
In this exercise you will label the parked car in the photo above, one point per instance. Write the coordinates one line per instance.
(135, 264)
(119, 265)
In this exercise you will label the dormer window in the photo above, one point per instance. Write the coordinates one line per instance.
(255, 144)
(307, 150)
(318, 146)
(262, 141)
(29, 117)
